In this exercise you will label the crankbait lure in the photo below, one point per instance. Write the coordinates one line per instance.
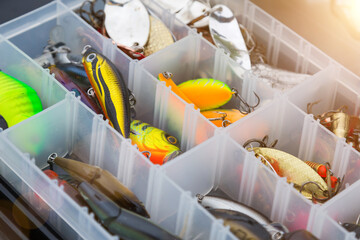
(119, 221)
(241, 225)
(223, 117)
(276, 230)
(102, 180)
(208, 93)
(110, 89)
(77, 74)
(304, 178)
(67, 188)
(18, 101)
(340, 123)
(67, 82)
(353, 227)
(166, 78)
(161, 146)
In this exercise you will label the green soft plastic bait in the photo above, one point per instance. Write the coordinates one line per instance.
(18, 101)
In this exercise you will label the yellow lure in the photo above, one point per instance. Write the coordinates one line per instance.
(110, 89)
(207, 93)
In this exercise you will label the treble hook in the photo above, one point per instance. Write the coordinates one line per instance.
(249, 108)
(262, 142)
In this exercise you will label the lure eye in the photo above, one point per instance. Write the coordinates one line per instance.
(90, 57)
(171, 139)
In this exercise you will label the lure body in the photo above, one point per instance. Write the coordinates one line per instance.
(295, 170)
(166, 78)
(67, 82)
(18, 101)
(221, 203)
(119, 221)
(110, 89)
(241, 225)
(206, 93)
(162, 146)
(105, 182)
(77, 74)
(218, 116)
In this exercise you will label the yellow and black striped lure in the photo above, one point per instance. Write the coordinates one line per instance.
(110, 89)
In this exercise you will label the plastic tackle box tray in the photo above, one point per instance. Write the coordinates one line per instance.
(214, 158)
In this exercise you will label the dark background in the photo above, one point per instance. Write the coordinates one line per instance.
(10, 9)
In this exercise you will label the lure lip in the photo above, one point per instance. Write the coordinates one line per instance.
(172, 155)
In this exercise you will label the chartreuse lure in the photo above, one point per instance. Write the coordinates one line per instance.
(110, 89)
(161, 146)
(18, 101)
(207, 93)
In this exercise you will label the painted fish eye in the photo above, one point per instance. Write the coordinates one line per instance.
(90, 57)
(171, 139)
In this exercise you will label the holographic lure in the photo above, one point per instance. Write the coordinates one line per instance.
(110, 89)
(18, 101)
(161, 146)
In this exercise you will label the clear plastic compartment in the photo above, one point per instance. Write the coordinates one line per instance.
(21, 67)
(85, 136)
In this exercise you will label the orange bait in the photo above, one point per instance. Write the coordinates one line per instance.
(166, 78)
(223, 117)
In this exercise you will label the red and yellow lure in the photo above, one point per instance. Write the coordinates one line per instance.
(110, 89)
(161, 146)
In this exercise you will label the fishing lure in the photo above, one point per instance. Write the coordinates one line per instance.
(110, 89)
(241, 225)
(353, 227)
(211, 202)
(304, 178)
(77, 73)
(208, 93)
(18, 101)
(161, 146)
(119, 221)
(166, 77)
(102, 180)
(322, 170)
(340, 123)
(68, 189)
(67, 82)
(223, 117)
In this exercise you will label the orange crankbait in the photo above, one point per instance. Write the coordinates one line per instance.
(207, 93)
(166, 78)
(223, 117)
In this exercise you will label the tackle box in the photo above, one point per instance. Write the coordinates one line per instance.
(213, 158)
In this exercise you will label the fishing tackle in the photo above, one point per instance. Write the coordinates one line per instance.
(322, 170)
(353, 227)
(67, 82)
(305, 179)
(166, 77)
(162, 146)
(223, 117)
(276, 230)
(241, 225)
(119, 221)
(110, 89)
(299, 235)
(208, 93)
(102, 180)
(18, 101)
(68, 189)
(77, 74)
(340, 123)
